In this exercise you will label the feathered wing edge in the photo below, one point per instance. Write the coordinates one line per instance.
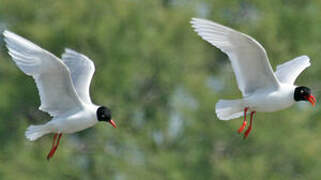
(289, 71)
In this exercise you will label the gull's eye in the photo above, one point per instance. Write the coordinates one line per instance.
(302, 91)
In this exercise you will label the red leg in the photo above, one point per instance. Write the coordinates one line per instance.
(244, 121)
(59, 139)
(54, 140)
(54, 148)
(247, 132)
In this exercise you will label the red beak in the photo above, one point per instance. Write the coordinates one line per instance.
(311, 99)
(112, 123)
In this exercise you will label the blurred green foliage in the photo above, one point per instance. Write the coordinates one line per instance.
(161, 82)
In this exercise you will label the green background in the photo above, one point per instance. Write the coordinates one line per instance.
(161, 82)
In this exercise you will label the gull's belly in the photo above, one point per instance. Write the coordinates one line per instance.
(268, 102)
(73, 122)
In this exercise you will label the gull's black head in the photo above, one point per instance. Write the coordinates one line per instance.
(104, 114)
(303, 93)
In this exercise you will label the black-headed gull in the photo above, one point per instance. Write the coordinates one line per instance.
(63, 86)
(262, 89)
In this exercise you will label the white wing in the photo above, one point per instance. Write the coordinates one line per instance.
(289, 71)
(82, 70)
(249, 59)
(52, 76)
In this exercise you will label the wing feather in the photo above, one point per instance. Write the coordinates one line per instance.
(53, 79)
(249, 59)
(289, 71)
(82, 70)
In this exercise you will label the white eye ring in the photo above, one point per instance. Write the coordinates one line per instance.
(302, 91)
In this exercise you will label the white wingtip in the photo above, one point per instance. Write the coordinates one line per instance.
(7, 33)
(68, 50)
(305, 57)
(72, 52)
(14, 41)
(194, 20)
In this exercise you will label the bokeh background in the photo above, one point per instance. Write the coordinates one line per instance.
(161, 82)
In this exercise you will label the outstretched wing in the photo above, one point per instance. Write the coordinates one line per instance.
(249, 59)
(57, 93)
(82, 70)
(289, 71)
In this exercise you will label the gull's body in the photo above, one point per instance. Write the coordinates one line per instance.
(63, 86)
(263, 90)
(271, 100)
(72, 122)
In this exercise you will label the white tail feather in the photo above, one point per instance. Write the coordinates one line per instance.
(34, 132)
(229, 109)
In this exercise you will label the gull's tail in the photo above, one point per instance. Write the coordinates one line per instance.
(34, 132)
(229, 109)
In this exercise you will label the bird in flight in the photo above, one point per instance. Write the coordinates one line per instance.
(63, 86)
(263, 90)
